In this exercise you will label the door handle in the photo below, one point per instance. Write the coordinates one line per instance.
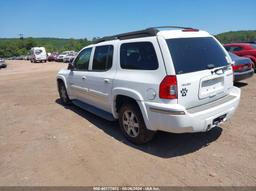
(107, 81)
(84, 78)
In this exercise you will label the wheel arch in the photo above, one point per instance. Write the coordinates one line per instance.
(124, 95)
(61, 79)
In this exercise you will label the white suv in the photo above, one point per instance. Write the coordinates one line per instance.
(169, 80)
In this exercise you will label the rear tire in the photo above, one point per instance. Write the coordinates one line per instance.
(63, 94)
(132, 124)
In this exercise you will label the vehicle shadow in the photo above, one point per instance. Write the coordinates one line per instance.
(240, 84)
(165, 145)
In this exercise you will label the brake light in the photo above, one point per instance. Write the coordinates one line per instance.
(168, 88)
(240, 67)
(236, 67)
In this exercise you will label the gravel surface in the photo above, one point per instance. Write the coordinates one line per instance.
(43, 143)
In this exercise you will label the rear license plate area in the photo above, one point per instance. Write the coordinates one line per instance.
(219, 119)
(211, 86)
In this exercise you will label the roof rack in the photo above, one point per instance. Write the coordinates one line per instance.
(152, 31)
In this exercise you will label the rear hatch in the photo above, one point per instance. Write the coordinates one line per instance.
(202, 70)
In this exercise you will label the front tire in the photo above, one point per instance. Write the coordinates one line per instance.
(132, 124)
(63, 94)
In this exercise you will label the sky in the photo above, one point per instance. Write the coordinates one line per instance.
(98, 18)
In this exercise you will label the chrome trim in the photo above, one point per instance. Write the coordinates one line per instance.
(169, 112)
(79, 88)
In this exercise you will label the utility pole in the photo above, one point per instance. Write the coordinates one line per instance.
(21, 36)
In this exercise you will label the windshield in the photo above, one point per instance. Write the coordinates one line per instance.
(195, 54)
(38, 52)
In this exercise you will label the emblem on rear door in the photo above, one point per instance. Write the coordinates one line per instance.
(184, 92)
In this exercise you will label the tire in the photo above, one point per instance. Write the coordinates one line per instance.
(254, 67)
(63, 94)
(132, 124)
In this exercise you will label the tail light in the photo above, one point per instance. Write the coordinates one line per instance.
(236, 67)
(241, 67)
(168, 88)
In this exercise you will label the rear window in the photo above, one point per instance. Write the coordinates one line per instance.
(195, 54)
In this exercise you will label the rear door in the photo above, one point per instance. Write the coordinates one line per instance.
(202, 70)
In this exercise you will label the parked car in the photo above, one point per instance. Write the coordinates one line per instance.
(19, 58)
(242, 67)
(28, 57)
(243, 49)
(251, 42)
(63, 54)
(69, 57)
(53, 57)
(153, 80)
(38, 54)
(2, 63)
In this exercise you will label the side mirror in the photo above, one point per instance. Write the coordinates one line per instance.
(70, 66)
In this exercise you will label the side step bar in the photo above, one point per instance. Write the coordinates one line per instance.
(94, 110)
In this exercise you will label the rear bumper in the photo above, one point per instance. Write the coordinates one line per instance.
(39, 59)
(176, 119)
(238, 76)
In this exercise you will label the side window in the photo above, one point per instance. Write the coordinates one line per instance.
(103, 57)
(236, 48)
(227, 48)
(138, 56)
(82, 60)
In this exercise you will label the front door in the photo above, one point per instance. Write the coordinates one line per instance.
(78, 76)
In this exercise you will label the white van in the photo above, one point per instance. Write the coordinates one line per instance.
(38, 54)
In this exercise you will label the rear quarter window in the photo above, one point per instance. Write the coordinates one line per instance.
(138, 56)
(195, 54)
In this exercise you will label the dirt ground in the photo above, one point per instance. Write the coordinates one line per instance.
(42, 143)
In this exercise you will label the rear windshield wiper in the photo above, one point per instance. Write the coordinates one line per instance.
(223, 69)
